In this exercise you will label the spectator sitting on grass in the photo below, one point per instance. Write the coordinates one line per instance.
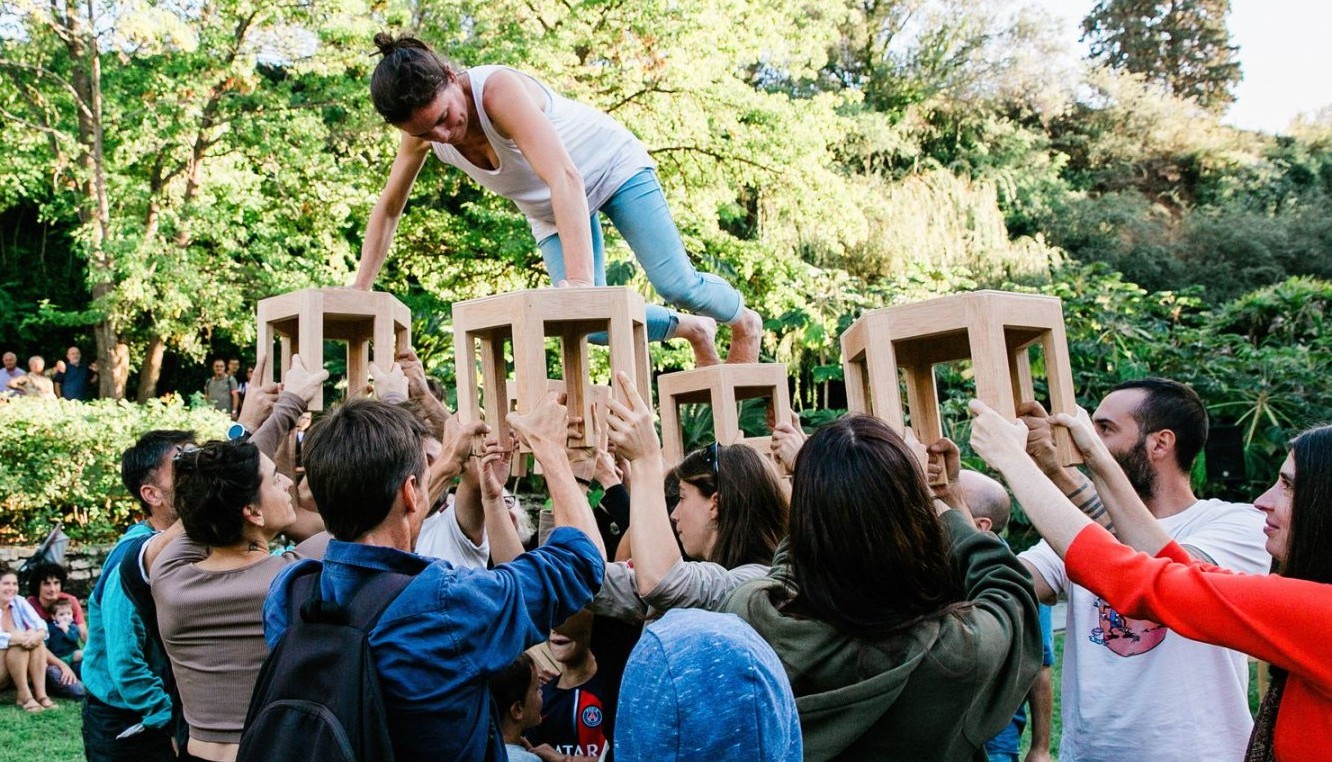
(25, 652)
(63, 637)
(46, 588)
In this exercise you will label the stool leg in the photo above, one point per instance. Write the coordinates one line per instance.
(464, 354)
(573, 349)
(494, 384)
(358, 359)
(310, 336)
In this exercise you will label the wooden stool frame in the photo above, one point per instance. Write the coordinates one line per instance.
(302, 320)
(525, 319)
(994, 329)
(722, 387)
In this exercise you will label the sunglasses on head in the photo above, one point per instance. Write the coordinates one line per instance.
(183, 450)
(711, 457)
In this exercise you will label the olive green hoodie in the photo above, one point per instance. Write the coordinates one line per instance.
(935, 692)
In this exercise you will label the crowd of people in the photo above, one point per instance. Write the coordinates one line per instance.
(74, 379)
(362, 583)
(847, 597)
(70, 378)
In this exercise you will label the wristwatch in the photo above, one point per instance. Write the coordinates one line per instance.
(236, 431)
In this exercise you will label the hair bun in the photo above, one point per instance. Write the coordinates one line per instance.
(388, 44)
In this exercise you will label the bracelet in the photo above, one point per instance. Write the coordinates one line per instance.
(582, 481)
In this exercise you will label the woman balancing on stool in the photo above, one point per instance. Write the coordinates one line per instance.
(561, 162)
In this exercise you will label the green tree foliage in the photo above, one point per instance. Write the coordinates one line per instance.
(1181, 44)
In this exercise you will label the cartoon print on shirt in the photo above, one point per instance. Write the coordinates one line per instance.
(1123, 635)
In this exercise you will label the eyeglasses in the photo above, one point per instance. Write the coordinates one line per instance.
(711, 457)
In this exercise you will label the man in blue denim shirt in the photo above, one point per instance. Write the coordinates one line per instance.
(451, 628)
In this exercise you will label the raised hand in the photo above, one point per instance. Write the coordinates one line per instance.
(259, 400)
(1040, 437)
(787, 439)
(545, 425)
(945, 465)
(494, 469)
(918, 449)
(302, 382)
(390, 383)
(604, 469)
(415, 373)
(994, 437)
(630, 423)
(1094, 452)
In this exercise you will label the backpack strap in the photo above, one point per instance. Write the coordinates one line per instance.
(370, 602)
(362, 611)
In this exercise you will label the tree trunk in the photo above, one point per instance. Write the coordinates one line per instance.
(151, 370)
(112, 353)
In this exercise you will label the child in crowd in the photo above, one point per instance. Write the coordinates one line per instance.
(576, 721)
(64, 641)
(517, 694)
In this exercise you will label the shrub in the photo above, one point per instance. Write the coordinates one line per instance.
(60, 460)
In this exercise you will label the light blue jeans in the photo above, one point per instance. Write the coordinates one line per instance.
(638, 210)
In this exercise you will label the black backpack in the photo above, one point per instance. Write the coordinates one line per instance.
(318, 696)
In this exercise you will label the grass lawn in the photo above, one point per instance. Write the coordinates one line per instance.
(55, 736)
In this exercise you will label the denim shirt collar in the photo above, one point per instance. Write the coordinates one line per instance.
(373, 557)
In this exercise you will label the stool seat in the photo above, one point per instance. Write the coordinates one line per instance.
(303, 320)
(722, 387)
(523, 320)
(994, 329)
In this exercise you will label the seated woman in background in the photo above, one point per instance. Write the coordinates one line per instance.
(1284, 618)
(210, 584)
(46, 584)
(730, 516)
(906, 633)
(25, 654)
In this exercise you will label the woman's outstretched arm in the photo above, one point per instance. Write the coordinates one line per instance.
(511, 109)
(412, 152)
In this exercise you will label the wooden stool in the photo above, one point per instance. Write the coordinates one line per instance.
(992, 328)
(525, 319)
(583, 468)
(723, 387)
(302, 320)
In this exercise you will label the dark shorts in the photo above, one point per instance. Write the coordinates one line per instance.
(103, 722)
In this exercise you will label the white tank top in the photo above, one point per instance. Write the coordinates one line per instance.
(605, 153)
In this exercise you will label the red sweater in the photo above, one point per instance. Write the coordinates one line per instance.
(1287, 622)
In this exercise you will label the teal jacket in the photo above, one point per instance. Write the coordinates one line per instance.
(936, 692)
(122, 665)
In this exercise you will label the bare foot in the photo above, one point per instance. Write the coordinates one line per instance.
(701, 333)
(746, 336)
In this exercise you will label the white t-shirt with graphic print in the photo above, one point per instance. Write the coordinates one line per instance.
(1132, 689)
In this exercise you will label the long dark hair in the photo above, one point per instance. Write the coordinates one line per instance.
(1310, 553)
(408, 77)
(751, 504)
(868, 552)
(213, 485)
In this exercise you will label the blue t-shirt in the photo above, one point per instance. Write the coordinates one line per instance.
(74, 382)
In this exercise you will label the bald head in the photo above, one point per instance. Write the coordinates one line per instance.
(987, 499)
